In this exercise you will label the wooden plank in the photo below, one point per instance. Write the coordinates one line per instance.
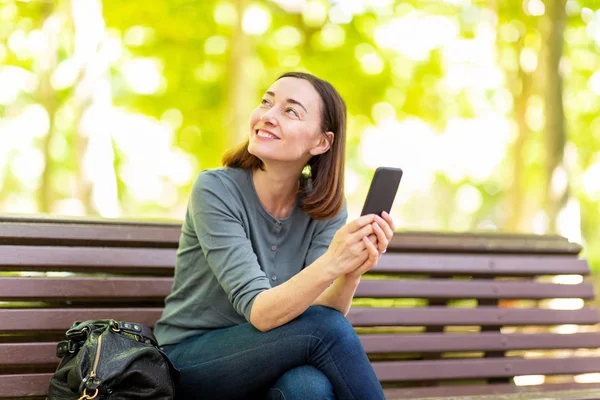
(100, 259)
(29, 385)
(482, 368)
(24, 385)
(33, 289)
(61, 319)
(491, 316)
(19, 354)
(545, 392)
(85, 234)
(478, 289)
(153, 259)
(402, 241)
(28, 354)
(479, 341)
(26, 288)
(482, 242)
(86, 220)
(480, 264)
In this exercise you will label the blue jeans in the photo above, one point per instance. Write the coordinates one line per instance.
(315, 356)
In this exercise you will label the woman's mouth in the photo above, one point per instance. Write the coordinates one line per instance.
(265, 134)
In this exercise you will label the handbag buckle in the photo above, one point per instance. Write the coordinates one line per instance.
(87, 396)
(66, 346)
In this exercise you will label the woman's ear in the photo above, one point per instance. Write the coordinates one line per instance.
(324, 144)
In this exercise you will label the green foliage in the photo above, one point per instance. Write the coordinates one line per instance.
(195, 47)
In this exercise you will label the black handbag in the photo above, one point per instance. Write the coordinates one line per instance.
(107, 359)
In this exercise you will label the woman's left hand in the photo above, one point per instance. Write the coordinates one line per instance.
(384, 230)
(376, 244)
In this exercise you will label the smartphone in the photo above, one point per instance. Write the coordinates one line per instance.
(382, 191)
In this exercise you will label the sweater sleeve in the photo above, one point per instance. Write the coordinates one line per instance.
(323, 236)
(217, 222)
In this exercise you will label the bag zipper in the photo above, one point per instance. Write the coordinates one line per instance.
(86, 396)
(97, 358)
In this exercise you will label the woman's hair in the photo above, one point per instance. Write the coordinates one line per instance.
(323, 189)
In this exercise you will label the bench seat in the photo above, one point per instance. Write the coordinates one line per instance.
(441, 315)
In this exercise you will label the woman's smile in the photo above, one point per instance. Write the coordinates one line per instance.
(265, 134)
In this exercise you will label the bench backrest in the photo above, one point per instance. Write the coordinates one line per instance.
(475, 308)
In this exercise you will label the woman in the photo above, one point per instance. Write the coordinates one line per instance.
(266, 267)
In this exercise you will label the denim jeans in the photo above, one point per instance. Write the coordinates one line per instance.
(315, 356)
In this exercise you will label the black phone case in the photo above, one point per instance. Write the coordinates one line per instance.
(382, 191)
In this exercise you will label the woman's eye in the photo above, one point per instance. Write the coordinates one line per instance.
(264, 102)
(291, 111)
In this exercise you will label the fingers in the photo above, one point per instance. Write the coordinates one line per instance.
(382, 240)
(387, 224)
(370, 261)
(359, 223)
(372, 249)
(359, 234)
(389, 220)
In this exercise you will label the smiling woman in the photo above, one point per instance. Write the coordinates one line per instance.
(267, 266)
(300, 110)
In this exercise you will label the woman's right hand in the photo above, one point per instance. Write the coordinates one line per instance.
(347, 250)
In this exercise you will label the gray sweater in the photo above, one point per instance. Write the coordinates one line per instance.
(230, 250)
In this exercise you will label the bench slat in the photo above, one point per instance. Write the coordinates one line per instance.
(489, 316)
(43, 353)
(153, 260)
(480, 265)
(82, 258)
(80, 287)
(482, 368)
(24, 288)
(37, 385)
(70, 231)
(19, 354)
(582, 391)
(479, 289)
(482, 243)
(78, 234)
(24, 385)
(62, 319)
(477, 341)
(59, 319)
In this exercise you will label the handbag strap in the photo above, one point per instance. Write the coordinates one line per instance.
(142, 332)
(80, 330)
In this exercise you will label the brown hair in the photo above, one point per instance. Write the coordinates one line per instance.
(323, 189)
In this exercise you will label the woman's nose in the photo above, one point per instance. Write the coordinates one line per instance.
(269, 117)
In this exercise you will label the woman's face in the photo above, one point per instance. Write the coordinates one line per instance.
(286, 126)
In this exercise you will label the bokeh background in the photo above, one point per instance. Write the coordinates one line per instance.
(492, 108)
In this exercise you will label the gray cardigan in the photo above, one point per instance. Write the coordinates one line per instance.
(230, 250)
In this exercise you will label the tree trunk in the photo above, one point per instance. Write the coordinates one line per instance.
(94, 148)
(48, 100)
(240, 86)
(521, 91)
(555, 132)
(520, 84)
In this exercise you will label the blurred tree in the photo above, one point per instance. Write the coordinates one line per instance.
(514, 30)
(556, 175)
(48, 98)
(150, 94)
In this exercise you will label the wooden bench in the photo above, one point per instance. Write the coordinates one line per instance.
(471, 313)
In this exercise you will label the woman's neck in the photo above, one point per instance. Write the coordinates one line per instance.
(277, 190)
